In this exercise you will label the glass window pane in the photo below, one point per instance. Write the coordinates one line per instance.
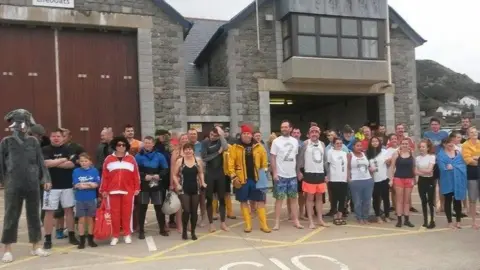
(369, 48)
(328, 26)
(369, 29)
(349, 47)
(306, 24)
(328, 46)
(307, 45)
(349, 27)
(287, 49)
(285, 28)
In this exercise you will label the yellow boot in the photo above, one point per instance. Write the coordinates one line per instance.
(247, 219)
(262, 218)
(215, 209)
(229, 207)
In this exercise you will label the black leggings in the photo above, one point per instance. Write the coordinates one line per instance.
(457, 206)
(339, 195)
(381, 192)
(426, 190)
(189, 206)
(142, 214)
(216, 184)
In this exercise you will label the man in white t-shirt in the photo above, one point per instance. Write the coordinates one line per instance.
(283, 161)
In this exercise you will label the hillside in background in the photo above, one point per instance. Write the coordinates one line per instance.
(437, 84)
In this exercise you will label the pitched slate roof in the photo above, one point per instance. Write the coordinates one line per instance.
(197, 39)
(174, 14)
(247, 11)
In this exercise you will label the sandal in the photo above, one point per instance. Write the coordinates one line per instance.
(343, 222)
(337, 221)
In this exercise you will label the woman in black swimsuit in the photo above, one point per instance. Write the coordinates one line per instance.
(188, 177)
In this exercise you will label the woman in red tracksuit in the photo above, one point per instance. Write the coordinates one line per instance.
(120, 184)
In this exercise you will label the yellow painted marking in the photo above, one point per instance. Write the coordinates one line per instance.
(31, 257)
(161, 253)
(376, 228)
(310, 235)
(252, 239)
(226, 251)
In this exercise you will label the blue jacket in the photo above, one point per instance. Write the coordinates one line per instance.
(150, 163)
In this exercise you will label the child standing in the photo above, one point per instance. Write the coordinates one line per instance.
(86, 179)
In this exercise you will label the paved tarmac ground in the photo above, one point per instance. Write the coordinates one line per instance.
(349, 247)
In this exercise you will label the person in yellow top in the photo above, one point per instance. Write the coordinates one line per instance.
(246, 157)
(228, 191)
(471, 154)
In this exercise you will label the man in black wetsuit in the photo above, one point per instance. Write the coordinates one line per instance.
(212, 156)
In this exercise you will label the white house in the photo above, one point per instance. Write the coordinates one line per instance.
(449, 111)
(469, 101)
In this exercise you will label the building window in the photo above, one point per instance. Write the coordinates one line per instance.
(287, 38)
(333, 37)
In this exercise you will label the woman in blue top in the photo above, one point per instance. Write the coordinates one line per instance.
(453, 180)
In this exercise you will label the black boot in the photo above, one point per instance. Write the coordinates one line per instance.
(399, 221)
(425, 220)
(142, 213)
(408, 223)
(431, 225)
(91, 243)
(160, 220)
(72, 239)
(141, 234)
(82, 242)
(47, 244)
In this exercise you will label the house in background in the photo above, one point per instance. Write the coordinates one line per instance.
(469, 101)
(310, 60)
(449, 111)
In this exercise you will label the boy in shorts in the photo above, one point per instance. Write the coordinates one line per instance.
(85, 181)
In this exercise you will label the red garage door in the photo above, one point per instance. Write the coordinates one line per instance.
(99, 86)
(27, 73)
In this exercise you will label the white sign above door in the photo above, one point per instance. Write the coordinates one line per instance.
(54, 3)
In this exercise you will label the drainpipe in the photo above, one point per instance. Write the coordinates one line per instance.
(389, 53)
(258, 25)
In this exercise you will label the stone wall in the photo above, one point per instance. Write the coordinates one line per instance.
(168, 73)
(217, 65)
(407, 110)
(246, 64)
(208, 101)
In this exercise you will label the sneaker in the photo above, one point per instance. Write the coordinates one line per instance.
(128, 239)
(114, 242)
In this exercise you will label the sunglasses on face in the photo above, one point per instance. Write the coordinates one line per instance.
(121, 145)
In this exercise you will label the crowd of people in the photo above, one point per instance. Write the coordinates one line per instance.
(355, 171)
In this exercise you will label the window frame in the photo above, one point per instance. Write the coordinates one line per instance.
(294, 33)
(289, 36)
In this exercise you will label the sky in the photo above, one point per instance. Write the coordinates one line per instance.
(452, 31)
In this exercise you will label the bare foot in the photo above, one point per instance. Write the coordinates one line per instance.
(224, 227)
(276, 227)
(323, 224)
(379, 220)
(202, 223)
(388, 220)
(360, 221)
(451, 226)
(212, 228)
(458, 225)
(312, 226)
(475, 226)
(298, 225)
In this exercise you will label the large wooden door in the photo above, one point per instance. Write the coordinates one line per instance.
(27, 73)
(93, 89)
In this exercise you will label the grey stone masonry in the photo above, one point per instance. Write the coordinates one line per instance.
(407, 110)
(217, 66)
(246, 63)
(208, 101)
(168, 74)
